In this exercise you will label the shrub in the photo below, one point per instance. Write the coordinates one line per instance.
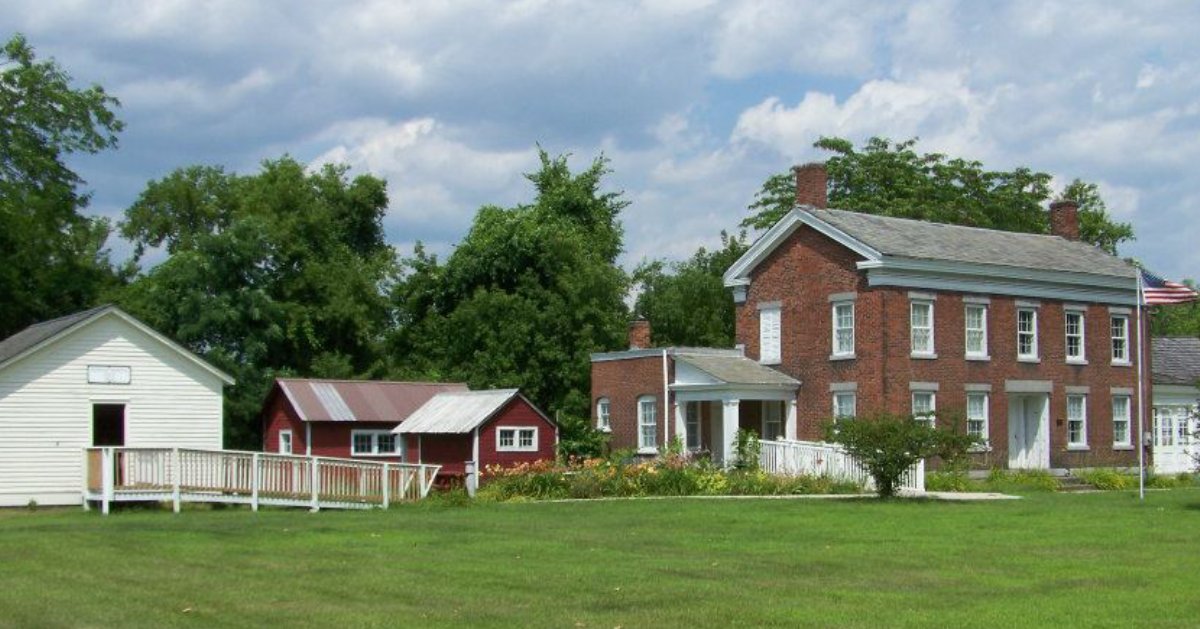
(747, 449)
(952, 480)
(1170, 482)
(1107, 480)
(889, 444)
(1007, 481)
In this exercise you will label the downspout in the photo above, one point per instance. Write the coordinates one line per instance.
(666, 404)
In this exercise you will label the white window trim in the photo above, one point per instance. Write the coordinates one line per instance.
(931, 352)
(931, 415)
(1083, 428)
(1033, 356)
(982, 355)
(643, 447)
(1081, 359)
(1125, 328)
(778, 410)
(291, 445)
(837, 407)
(604, 417)
(1127, 444)
(110, 374)
(375, 451)
(516, 434)
(986, 444)
(688, 410)
(843, 354)
(770, 349)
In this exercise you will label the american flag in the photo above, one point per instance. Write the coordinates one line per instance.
(1157, 291)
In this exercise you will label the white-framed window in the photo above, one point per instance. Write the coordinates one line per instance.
(647, 407)
(772, 420)
(1074, 332)
(769, 326)
(692, 421)
(1027, 342)
(375, 443)
(921, 327)
(109, 374)
(603, 421)
(843, 329)
(845, 405)
(1077, 421)
(977, 417)
(1119, 326)
(976, 336)
(285, 442)
(516, 439)
(1120, 420)
(924, 405)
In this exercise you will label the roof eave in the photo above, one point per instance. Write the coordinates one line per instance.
(739, 272)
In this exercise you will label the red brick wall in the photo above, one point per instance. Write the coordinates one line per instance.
(623, 382)
(809, 267)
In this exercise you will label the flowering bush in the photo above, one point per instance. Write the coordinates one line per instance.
(670, 475)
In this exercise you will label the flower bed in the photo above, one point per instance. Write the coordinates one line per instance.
(671, 475)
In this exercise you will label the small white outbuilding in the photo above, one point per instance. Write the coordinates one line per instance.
(96, 378)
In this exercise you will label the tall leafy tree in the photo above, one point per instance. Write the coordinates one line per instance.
(687, 302)
(52, 257)
(893, 179)
(280, 272)
(527, 295)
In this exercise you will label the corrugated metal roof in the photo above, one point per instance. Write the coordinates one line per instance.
(456, 413)
(738, 370)
(1176, 360)
(359, 400)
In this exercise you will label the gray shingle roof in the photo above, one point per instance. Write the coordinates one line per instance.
(907, 238)
(31, 336)
(737, 370)
(1175, 360)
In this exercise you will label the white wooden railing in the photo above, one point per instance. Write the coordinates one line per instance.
(254, 478)
(818, 458)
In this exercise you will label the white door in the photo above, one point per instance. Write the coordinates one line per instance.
(1174, 441)
(1028, 432)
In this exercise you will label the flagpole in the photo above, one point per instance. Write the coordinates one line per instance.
(1140, 402)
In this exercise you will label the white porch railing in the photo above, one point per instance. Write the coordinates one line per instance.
(818, 458)
(113, 474)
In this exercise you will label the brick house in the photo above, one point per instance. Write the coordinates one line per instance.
(1031, 336)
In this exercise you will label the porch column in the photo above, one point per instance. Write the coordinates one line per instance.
(680, 424)
(790, 430)
(729, 428)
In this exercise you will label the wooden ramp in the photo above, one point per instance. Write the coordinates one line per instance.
(178, 475)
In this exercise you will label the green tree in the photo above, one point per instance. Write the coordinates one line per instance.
(887, 445)
(686, 302)
(281, 272)
(526, 296)
(52, 258)
(892, 179)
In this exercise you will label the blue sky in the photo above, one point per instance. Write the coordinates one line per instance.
(694, 102)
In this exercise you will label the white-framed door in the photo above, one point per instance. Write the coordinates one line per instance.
(1029, 431)
(1173, 431)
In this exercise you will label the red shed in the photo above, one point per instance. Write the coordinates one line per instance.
(497, 427)
(343, 418)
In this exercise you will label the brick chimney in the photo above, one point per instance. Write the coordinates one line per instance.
(639, 334)
(811, 185)
(1064, 219)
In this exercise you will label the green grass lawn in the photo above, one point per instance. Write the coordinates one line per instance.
(1047, 560)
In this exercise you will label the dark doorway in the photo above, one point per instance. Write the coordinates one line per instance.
(108, 424)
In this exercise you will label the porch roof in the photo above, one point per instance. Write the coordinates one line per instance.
(738, 371)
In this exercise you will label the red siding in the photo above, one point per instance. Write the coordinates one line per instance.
(330, 439)
(278, 416)
(517, 413)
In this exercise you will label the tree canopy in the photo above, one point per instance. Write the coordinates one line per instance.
(527, 295)
(276, 273)
(52, 258)
(892, 179)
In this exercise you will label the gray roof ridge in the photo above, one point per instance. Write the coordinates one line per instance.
(953, 225)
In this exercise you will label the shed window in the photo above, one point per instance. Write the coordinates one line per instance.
(285, 442)
(374, 443)
(516, 439)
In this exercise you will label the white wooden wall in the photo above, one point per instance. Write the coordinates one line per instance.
(46, 408)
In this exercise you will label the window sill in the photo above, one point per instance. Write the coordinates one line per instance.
(516, 449)
(647, 450)
(923, 356)
(1122, 446)
(770, 362)
(1077, 361)
(842, 357)
(987, 447)
(1028, 359)
(979, 358)
(1121, 363)
(605, 429)
(1078, 448)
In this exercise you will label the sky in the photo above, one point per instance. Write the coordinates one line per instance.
(695, 103)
